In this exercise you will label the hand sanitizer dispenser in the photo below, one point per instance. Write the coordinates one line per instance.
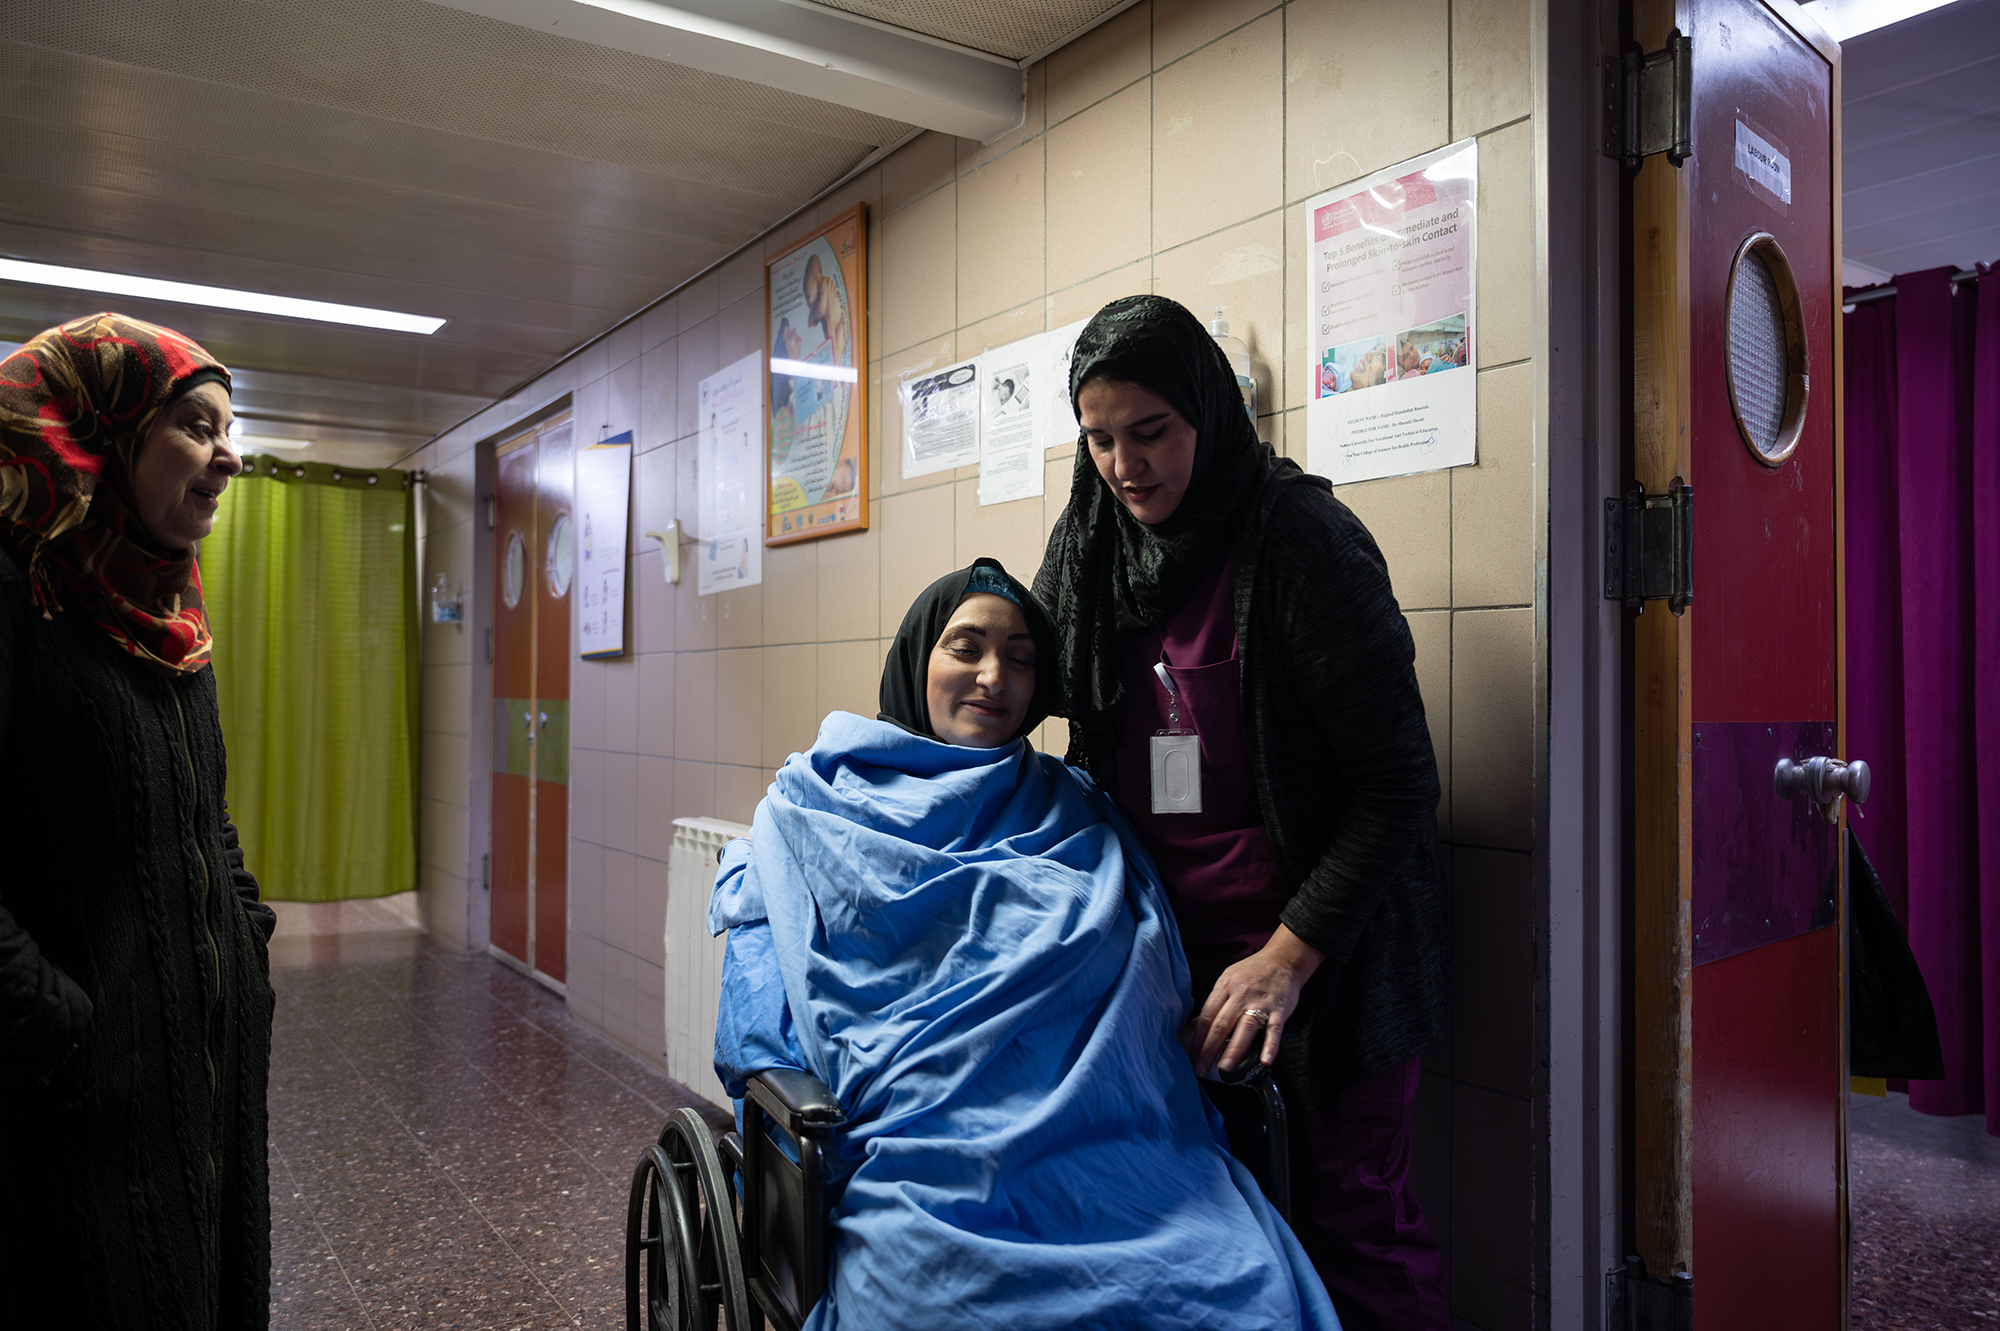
(1238, 353)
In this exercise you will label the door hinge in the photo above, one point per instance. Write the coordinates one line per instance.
(489, 645)
(486, 873)
(1649, 547)
(1637, 1300)
(1649, 103)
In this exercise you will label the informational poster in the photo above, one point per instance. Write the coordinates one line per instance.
(603, 498)
(1010, 437)
(940, 419)
(729, 478)
(1058, 417)
(1390, 271)
(816, 299)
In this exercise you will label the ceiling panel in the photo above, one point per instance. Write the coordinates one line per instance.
(1016, 30)
(529, 189)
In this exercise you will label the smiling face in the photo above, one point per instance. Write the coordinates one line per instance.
(982, 674)
(1143, 448)
(184, 464)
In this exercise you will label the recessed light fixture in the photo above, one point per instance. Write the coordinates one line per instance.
(257, 443)
(1845, 19)
(219, 298)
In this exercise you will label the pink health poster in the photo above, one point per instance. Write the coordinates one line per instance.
(1393, 307)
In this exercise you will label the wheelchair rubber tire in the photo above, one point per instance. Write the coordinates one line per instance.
(683, 1265)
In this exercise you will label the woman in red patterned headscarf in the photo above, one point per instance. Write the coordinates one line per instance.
(135, 1004)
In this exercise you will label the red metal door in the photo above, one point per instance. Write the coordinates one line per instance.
(1740, 1092)
(533, 554)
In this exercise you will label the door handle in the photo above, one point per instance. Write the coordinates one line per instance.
(1823, 781)
(545, 722)
(528, 723)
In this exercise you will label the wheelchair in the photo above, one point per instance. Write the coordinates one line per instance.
(700, 1253)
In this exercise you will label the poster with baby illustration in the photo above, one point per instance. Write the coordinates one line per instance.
(816, 306)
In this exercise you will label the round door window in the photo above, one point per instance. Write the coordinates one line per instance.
(562, 555)
(1766, 355)
(516, 577)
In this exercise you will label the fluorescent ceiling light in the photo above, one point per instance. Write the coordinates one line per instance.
(257, 443)
(220, 298)
(810, 369)
(1846, 19)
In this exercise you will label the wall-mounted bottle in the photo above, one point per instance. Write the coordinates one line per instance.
(1238, 353)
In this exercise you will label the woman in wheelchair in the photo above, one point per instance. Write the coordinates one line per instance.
(961, 938)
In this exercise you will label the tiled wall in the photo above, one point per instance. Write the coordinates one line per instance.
(1170, 150)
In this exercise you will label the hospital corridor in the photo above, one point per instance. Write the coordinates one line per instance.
(901, 664)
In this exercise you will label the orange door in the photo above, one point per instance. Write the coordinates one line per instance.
(533, 559)
(1740, 1065)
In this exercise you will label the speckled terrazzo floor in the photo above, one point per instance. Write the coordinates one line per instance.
(448, 1148)
(1925, 1198)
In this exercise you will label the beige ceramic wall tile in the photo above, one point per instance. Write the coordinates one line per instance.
(1100, 62)
(916, 169)
(1058, 479)
(1008, 326)
(919, 271)
(742, 329)
(1218, 134)
(621, 702)
(652, 600)
(1431, 631)
(1506, 245)
(1179, 26)
(586, 706)
(447, 771)
(1101, 187)
(1492, 728)
(740, 277)
(791, 704)
(698, 359)
(1365, 86)
(1493, 504)
(694, 707)
(865, 188)
(695, 615)
(850, 585)
(620, 825)
(737, 790)
(655, 796)
(698, 300)
(739, 706)
(659, 391)
(1410, 518)
(1087, 298)
(848, 679)
(791, 592)
(694, 789)
(739, 617)
(1000, 233)
(656, 705)
(447, 700)
(973, 154)
(1241, 269)
(653, 495)
(917, 547)
(660, 322)
(1490, 75)
(1010, 533)
(586, 795)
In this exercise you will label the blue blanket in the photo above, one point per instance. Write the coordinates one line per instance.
(973, 951)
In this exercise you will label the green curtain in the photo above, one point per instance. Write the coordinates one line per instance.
(309, 579)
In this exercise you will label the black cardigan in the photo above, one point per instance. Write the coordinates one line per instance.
(1346, 778)
(135, 1004)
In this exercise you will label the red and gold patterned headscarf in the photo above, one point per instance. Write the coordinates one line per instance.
(75, 402)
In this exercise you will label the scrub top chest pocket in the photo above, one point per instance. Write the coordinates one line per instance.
(1203, 732)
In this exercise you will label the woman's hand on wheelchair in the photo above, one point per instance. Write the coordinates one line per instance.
(1268, 983)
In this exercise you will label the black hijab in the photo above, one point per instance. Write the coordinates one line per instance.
(1108, 573)
(906, 674)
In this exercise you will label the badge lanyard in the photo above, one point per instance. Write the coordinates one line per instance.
(1176, 756)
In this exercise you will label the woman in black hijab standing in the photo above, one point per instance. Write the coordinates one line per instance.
(1303, 862)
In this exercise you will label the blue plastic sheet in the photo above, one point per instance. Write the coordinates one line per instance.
(970, 948)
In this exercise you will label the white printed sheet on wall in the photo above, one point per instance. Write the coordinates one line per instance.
(603, 498)
(1391, 287)
(729, 477)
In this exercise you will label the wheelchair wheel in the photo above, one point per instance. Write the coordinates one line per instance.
(683, 1269)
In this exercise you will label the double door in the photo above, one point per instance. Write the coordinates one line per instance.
(534, 554)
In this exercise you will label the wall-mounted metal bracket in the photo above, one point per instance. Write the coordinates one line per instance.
(1649, 103)
(1637, 1300)
(1649, 547)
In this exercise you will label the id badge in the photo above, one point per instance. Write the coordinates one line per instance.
(1176, 773)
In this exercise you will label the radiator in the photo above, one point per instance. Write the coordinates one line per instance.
(693, 959)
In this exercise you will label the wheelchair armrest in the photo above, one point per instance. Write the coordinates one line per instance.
(799, 1101)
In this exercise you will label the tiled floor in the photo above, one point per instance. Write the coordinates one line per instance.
(448, 1148)
(1925, 1198)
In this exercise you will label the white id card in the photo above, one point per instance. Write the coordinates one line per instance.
(1177, 773)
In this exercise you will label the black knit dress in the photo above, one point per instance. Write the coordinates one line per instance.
(135, 1000)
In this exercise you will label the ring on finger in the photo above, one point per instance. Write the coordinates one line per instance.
(1257, 1014)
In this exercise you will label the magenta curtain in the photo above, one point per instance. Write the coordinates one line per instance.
(1923, 647)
